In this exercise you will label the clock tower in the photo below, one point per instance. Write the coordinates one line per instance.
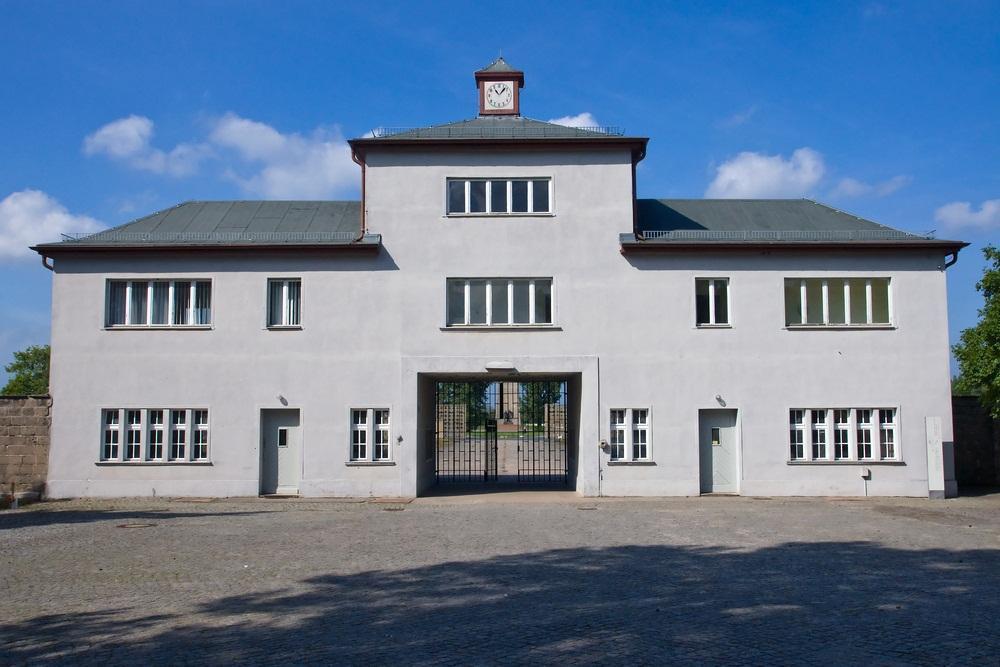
(499, 87)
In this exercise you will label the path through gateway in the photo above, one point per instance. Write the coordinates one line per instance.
(498, 431)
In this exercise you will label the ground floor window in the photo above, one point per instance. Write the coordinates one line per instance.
(629, 432)
(370, 426)
(146, 432)
(853, 431)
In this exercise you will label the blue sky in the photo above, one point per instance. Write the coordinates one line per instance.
(111, 110)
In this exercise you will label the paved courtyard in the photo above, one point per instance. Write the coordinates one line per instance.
(503, 579)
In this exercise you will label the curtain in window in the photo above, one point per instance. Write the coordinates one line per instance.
(182, 302)
(116, 303)
(274, 304)
(202, 303)
(294, 288)
(137, 308)
(161, 303)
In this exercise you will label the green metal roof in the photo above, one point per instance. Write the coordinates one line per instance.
(229, 223)
(498, 65)
(676, 222)
(492, 127)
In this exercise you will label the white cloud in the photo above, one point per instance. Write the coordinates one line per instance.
(751, 175)
(960, 214)
(31, 216)
(286, 165)
(852, 187)
(129, 140)
(585, 119)
(739, 118)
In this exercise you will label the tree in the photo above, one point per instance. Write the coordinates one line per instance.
(978, 352)
(535, 396)
(29, 372)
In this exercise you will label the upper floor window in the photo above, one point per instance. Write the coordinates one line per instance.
(158, 303)
(284, 296)
(837, 302)
(499, 301)
(711, 296)
(482, 196)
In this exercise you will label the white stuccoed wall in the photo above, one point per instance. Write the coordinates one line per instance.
(372, 325)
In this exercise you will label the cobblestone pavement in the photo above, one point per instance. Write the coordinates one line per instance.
(445, 581)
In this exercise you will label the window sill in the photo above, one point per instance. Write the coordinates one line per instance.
(631, 463)
(713, 326)
(502, 327)
(285, 327)
(160, 327)
(839, 327)
(494, 216)
(846, 463)
(146, 464)
(368, 464)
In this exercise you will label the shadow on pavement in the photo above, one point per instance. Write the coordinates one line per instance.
(830, 603)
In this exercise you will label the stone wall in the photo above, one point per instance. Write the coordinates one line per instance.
(977, 443)
(24, 444)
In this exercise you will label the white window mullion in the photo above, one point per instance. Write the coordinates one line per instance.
(489, 302)
(510, 196)
(510, 299)
(802, 301)
(711, 302)
(852, 437)
(531, 196)
(128, 304)
(468, 301)
(868, 301)
(190, 308)
(149, 302)
(847, 301)
(370, 435)
(807, 450)
(826, 301)
(286, 315)
(531, 302)
(468, 196)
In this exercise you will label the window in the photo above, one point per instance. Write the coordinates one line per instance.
(199, 445)
(155, 435)
(499, 196)
(837, 302)
(155, 424)
(852, 434)
(499, 301)
(630, 434)
(284, 302)
(370, 425)
(819, 427)
(178, 434)
(797, 434)
(112, 435)
(711, 301)
(158, 303)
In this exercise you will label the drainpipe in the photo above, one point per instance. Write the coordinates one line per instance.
(361, 163)
(600, 442)
(45, 263)
(949, 262)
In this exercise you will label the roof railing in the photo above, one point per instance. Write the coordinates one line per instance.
(207, 237)
(779, 235)
(465, 132)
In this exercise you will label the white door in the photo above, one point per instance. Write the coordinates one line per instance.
(280, 451)
(719, 443)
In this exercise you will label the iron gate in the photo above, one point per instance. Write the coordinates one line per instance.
(502, 431)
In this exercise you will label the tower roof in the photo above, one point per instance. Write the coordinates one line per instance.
(498, 65)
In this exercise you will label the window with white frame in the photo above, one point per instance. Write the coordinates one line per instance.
(711, 297)
(158, 303)
(284, 297)
(851, 430)
(797, 434)
(498, 302)
(842, 302)
(629, 431)
(499, 196)
(370, 426)
(154, 427)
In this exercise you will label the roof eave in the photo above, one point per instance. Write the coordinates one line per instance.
(689, 246)
(371, 243)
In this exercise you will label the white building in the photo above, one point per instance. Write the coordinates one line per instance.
(498, 308)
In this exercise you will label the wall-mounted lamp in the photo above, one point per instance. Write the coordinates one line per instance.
(718, 397)
(282, 400)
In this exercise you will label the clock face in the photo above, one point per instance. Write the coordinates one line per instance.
(500, 95)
